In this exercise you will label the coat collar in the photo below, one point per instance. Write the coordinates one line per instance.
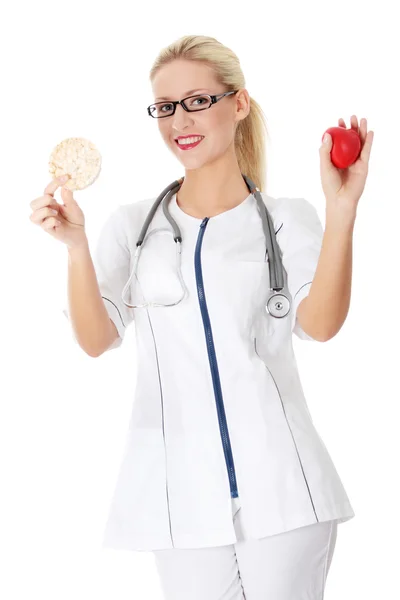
(229, 220)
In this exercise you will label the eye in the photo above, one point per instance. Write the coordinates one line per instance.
(199, 98)
(169, 107)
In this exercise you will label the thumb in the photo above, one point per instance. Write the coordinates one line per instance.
(325, 150)
(67, 196)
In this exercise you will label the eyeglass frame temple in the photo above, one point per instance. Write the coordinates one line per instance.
(214, 99)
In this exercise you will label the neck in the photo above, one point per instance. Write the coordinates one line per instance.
(213, 188)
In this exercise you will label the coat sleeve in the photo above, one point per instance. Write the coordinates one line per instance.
(300, 240)
(111, 260)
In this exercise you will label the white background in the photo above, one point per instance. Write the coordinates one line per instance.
(81, 69)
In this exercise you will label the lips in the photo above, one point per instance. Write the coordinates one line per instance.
(188, 146)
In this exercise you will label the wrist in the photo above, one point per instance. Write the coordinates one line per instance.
(337, 219)
(77, 249)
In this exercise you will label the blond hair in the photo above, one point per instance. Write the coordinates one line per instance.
(251, 132)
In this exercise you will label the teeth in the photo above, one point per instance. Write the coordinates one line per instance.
(190, 140)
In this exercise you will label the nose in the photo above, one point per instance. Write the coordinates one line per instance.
(181, 117)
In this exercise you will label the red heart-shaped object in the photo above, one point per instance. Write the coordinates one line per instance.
(346, 146)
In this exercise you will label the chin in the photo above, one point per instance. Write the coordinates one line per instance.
(191, 162)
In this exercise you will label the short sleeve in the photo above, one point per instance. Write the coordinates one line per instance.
(300, 239)
(111, 260)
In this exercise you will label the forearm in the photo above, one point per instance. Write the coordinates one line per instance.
(89, 317)
(322, 313)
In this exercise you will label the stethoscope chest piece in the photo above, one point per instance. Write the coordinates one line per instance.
(278, 305)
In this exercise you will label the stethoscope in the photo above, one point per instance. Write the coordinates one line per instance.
(278, 305)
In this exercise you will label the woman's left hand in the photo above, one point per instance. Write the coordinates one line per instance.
(343, 187)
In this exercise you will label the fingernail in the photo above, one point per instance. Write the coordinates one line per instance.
(63, 179)
(326, 138)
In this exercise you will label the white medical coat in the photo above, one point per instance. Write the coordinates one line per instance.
(219, 410)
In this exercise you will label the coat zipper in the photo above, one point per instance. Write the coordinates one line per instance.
(223, 426)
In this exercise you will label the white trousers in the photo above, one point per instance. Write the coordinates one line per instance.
(289, 566)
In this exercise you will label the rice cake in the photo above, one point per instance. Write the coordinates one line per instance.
(78, 158)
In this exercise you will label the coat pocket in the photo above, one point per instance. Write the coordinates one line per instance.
(157, 278)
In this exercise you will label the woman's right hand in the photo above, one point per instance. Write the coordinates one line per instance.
(68, 223)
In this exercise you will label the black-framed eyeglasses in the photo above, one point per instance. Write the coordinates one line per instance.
(159, 110)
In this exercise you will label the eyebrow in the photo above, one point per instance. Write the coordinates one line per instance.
(186, 94)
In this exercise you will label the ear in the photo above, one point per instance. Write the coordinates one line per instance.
(242, 104)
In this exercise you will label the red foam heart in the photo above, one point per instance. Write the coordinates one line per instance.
(346, 146)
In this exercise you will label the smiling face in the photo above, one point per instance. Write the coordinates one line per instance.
(217, 124)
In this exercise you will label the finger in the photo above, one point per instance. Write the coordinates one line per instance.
(54, 184)
(44, 201)
(50, 223)
(342, 123)
(363, 130)
(366, 151)
(47, 198)
(67, 196)
(354, 123)
(39, 215)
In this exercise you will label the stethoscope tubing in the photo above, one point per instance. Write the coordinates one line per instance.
(273, 251)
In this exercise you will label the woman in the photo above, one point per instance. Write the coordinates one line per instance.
(224, 477)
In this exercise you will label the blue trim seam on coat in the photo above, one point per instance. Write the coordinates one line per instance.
(163, 429)
(104, 298)
(287, 422)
